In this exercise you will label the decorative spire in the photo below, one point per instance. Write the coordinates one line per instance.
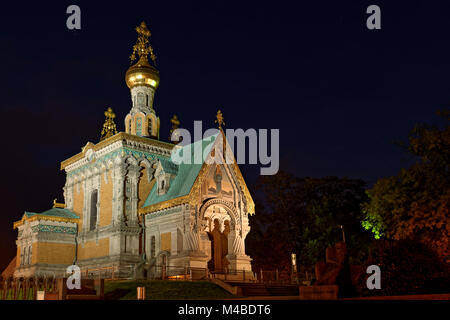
(109, 127)
(175, 124)
(142, 46)
(58, 205)
(219, 119)
(220, 122)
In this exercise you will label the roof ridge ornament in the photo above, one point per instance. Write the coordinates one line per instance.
(175, 125)
(142, 46)
(58, 205)
(219, 119)
(109, 127)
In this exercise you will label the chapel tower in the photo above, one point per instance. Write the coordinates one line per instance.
(143, 79)
(130, 211)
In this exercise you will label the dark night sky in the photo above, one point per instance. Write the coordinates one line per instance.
(339, 93)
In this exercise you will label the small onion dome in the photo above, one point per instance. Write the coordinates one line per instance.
(142, 74)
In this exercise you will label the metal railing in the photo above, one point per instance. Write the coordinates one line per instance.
(284, 277)
(192, 273)
(26, 288)
(109, 273)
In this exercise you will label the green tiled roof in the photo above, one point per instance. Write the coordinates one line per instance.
(186, 174)
(54, 212)
(169, 166)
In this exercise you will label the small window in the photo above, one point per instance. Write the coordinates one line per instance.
(149, 127)
(29, 254)
(128, 186)
(152, 247)
(139, 126)
(93, 213)
(140, 99)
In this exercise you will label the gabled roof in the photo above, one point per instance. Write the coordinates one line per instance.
(186, 175)
(9, 270)
(168, 166)
(182, 186)
(54, 214)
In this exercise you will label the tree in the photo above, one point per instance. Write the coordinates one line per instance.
(414, 204)
(304, 215)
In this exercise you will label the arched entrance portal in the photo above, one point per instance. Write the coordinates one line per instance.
(218, 221)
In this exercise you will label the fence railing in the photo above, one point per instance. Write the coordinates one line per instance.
(230, 275)
(284, 277)
(25, 288)
(109, 273)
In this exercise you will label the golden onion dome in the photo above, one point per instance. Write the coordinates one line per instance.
(142, 74)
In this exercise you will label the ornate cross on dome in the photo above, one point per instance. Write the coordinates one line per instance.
(219, 119)
(142, 46)
(109, 127)
(175, 124)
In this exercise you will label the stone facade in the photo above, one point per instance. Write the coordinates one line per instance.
(44, 247)
(109, 189)
(128, 206)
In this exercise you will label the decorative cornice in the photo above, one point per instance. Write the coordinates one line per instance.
(121, 136)
(229, 206)
(194, 195)
(164, 212)
(56, 229)
(164, 205)
(42, 217)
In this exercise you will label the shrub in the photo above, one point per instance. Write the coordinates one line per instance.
(407, 267)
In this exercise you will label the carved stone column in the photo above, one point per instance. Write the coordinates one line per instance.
(133, 175)
(191, 232)
(118, 173)
(68, 193)
(85, 205)
(96, 185)
(236, 246)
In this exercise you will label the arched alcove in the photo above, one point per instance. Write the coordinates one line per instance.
(93, 210)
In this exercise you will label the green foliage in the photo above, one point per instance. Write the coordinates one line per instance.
(164, 290)
(407, 267)
(414, 204)
(304, 215)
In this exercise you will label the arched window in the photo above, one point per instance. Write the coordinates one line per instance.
(25, 256)
(129, 126)
(149, 127)
(140, 99)
(93, 213)
(22, 256)
(152, 247)
(139, 126)
(146, 100)
(29, 255)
